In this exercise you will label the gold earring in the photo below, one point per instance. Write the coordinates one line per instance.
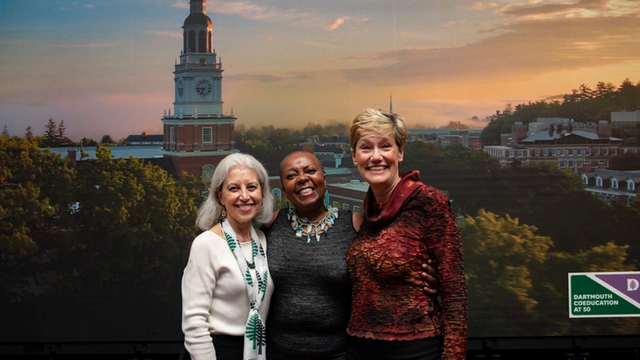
(224, 211)
(400, 161)
(355, 163)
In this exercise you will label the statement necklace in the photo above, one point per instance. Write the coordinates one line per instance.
(312, 228)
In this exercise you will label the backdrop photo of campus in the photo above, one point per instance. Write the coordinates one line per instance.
(97, 208)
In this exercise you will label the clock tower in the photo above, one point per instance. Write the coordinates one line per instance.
(198, 134)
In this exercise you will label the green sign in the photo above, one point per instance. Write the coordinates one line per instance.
(607, 294)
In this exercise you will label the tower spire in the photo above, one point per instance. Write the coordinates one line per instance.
(198, 6)
(198, 29)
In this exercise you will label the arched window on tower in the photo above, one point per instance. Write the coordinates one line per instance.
(210, 42)
(185, 41)
(202, 41)
(192, 41)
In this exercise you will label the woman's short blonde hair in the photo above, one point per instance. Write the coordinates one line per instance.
(377, 122)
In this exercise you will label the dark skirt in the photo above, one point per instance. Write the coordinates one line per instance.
(228, 347)
(420, 349)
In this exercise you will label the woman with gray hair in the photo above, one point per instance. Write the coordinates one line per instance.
(226, 285)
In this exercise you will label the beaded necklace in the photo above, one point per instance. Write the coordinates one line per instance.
(312, 228)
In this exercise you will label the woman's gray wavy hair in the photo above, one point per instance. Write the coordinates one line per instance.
(210, 212)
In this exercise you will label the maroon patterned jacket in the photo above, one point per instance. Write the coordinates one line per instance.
(384, 264)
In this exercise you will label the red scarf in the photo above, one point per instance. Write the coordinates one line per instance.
(399, 196)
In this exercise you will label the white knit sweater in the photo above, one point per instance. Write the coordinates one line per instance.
(214, 295)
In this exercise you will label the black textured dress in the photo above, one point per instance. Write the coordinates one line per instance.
(311, 303)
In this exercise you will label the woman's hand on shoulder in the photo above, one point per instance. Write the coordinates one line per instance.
(358, 218)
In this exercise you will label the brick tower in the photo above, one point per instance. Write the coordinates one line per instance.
(198, 134)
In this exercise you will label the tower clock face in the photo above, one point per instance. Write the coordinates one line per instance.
(203, 87)
(180, 88)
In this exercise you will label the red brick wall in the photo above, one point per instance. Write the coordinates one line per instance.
(519, 132)
(193, 165)
(189, 137)
(603, 129)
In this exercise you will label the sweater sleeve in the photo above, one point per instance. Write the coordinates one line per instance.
(444, 239)
(198, 283)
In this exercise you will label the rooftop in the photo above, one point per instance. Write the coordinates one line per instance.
(546, 135)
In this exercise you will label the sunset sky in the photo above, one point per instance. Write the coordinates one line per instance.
(105, 66)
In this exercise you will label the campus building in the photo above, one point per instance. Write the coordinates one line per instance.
(469, 138)
(613, 186)
(626, 126)
(144, 139)
(579, 149)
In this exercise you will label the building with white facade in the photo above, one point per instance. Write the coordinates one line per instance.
(613, 186)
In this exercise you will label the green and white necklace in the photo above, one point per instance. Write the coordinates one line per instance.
(312, 228)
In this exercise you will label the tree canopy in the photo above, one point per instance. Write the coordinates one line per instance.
(582, 105)
(101, 232)
(514, 283)
(540, 194)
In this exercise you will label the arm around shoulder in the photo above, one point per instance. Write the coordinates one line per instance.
(358, 218)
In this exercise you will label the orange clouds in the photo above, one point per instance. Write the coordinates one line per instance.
(337, 22)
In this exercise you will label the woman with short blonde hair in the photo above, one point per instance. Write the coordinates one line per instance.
(406, 223)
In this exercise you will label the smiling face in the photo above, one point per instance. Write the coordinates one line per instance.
(304, 183)
(377, 158)
(241, 195)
